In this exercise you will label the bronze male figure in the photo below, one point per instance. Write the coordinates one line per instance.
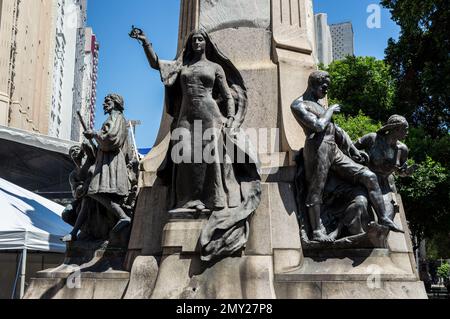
(329, 148)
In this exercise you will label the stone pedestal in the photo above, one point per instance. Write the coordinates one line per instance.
(91, 270)
(353, 274)
(273, 264)
(247, 275)
(109, 285)
(356, 273)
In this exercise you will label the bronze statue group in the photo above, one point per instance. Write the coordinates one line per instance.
(339, 181)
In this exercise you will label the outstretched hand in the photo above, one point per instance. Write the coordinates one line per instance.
(365, 157)
(360, 157)
(407, 170)
(137, 34)
(89, 134)
(336, 108)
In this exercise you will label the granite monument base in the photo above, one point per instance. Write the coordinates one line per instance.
(274, 264)
(352, 274)
(108, 285)
(91, 270)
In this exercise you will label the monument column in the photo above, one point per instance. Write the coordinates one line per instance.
(293, 35)
(290, 26)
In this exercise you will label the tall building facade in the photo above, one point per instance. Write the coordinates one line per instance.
(343, 40)
(7, 19)
(70, 17)
(27, 39)
(324, 42)
(44, 66)
(85, 89)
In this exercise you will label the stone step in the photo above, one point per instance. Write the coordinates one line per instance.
(362, 265)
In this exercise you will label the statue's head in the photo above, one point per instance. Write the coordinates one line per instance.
(76, 154)
(113, 102)
(318, 84)
(198, 42)
(397, 126)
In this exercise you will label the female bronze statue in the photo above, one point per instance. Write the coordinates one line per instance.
(388, 156)
(206, 97)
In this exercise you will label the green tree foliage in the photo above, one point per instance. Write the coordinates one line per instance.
(444, 271)
(420, 62)
(422, 145)
(426, 199)
(438, 246)
(357, 126)
(362, 84)
(426, 195)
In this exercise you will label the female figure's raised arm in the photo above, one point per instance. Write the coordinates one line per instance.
(152, 58)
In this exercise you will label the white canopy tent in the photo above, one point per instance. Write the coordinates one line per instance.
(29, 222)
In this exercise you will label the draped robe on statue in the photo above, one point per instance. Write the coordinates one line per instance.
(111, 173)
(230, 190)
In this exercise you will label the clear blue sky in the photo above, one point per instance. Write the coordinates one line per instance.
(123, 67)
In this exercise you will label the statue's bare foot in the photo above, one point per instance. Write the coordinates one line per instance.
(391, 225)
(121, 224)
(69, 238)
(334, 235)
(322, 237)
(182, 210)
(200, 208)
